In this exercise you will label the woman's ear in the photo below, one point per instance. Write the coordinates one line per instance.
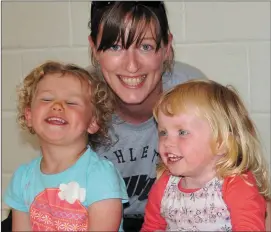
(93, 127)
(91, 43)
(92, 47)
(28, 116)
(169, 46)
(170, 39)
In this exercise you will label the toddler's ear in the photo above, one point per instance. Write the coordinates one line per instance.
(28, 116)
(93, 127)
(221, 148)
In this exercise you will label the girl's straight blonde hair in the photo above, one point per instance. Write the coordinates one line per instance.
(230, 123)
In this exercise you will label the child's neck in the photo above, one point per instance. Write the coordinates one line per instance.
(57, 158)
(196, 182)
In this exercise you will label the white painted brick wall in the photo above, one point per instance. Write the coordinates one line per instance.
(228, 41)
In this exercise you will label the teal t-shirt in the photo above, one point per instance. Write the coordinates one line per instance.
(61, 200)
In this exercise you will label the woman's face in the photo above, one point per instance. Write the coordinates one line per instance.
(135, 73)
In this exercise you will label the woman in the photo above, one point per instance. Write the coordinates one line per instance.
(131, 47)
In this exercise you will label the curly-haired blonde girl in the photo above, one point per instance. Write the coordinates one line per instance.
(100, 96)
(68, 185)
(213, 167)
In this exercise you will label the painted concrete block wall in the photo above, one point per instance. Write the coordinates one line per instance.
(228, 41)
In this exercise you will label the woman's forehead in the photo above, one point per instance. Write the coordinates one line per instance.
(139, 31)
(142, 28)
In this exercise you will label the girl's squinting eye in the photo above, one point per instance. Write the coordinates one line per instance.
(162, 133)
(45, 99)
(71, 103)
(183, 132)
(115, 47)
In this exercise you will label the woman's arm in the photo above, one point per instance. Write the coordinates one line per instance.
(20, 221)
(105, 215)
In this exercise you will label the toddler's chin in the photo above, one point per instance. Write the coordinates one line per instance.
(175, 172)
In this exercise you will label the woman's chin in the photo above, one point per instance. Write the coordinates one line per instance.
(132, 99)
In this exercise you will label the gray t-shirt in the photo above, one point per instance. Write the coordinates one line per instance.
(134, 149)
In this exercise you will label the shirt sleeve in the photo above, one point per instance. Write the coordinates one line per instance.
(153, 220)
(246, 205)
(13, 196)
(105, 182)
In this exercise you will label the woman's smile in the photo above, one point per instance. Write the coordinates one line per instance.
(132, 81)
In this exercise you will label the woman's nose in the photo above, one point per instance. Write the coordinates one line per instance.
(132, 61)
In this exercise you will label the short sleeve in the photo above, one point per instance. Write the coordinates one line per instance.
(246, 205)
(105, 182)
(153, 221)
(13, 196)
(181, 72)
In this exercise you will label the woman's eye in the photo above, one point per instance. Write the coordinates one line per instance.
(146, 47)
(115, 47)
(183, 132)
(162, 133)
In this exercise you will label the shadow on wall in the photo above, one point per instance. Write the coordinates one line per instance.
(29, 139)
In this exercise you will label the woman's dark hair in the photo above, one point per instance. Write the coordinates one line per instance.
(109, 16)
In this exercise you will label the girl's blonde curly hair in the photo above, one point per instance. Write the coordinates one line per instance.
(230, 123)
(101, 97)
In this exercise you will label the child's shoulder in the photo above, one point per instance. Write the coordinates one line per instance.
(241, 184)
(158, 188)
(162, 181)
(30, 166)
(98, 164)
(24, 171)
(242, 179)
(103, 173)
